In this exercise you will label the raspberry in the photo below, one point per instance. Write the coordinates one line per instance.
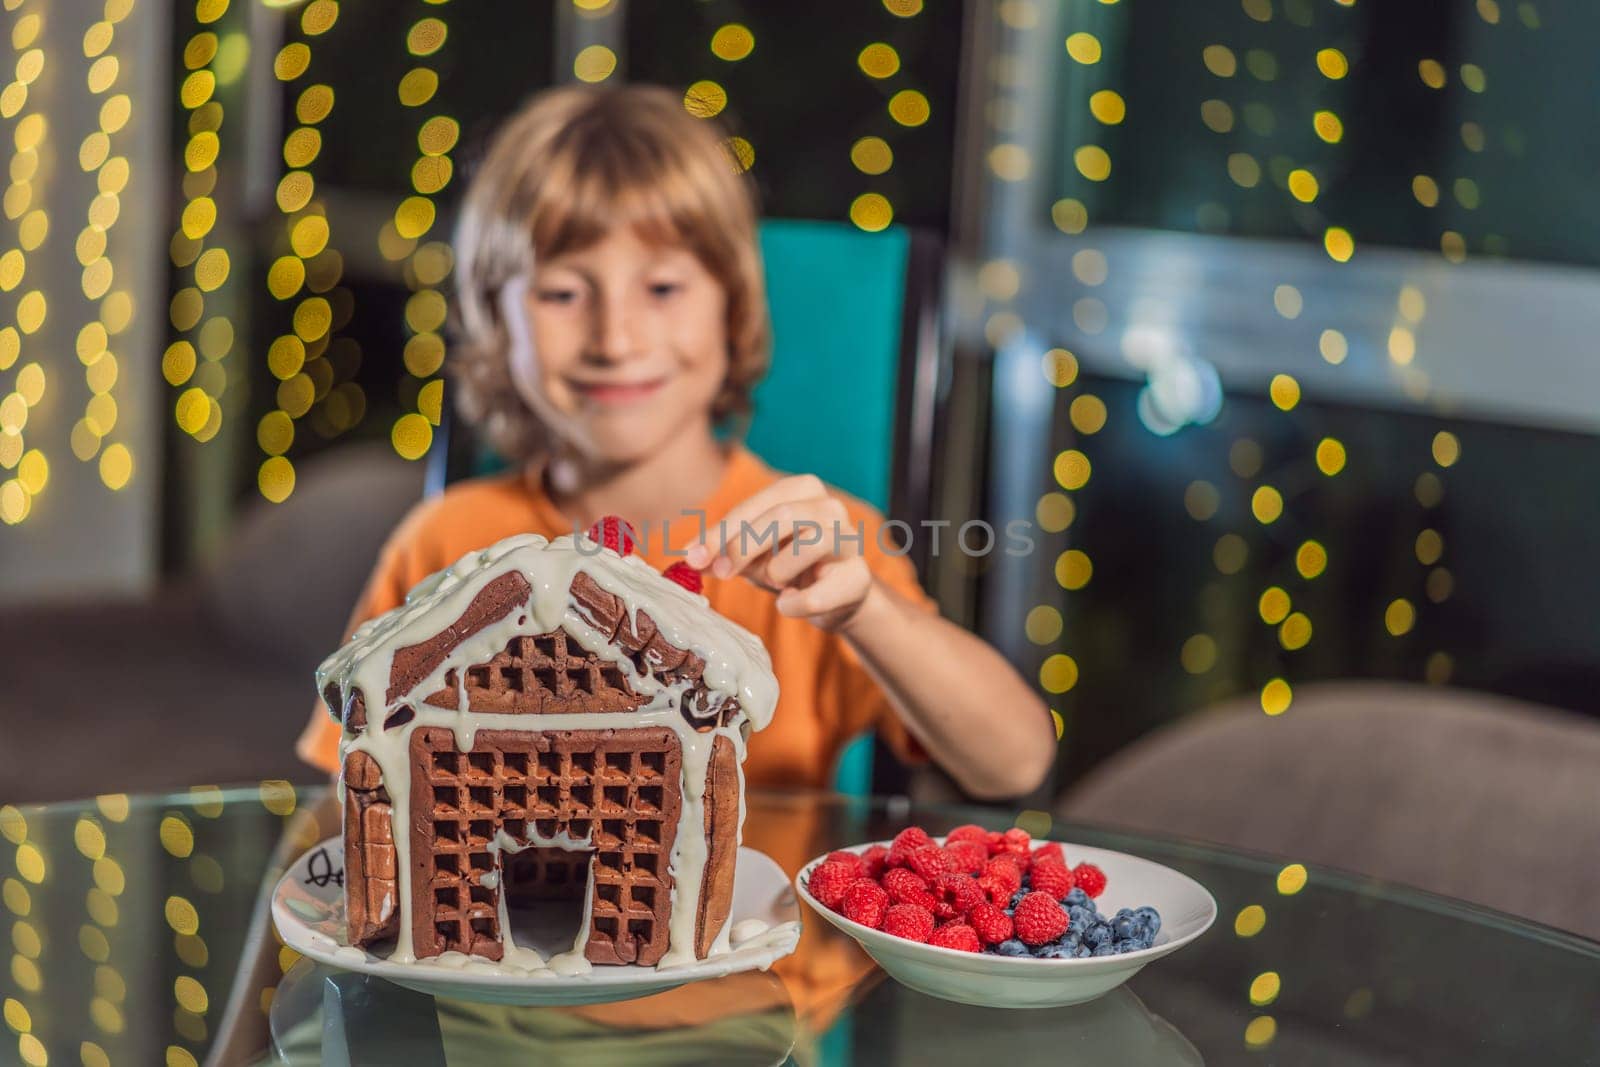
(615, 534)
(829, 881)
(969, 832)
(1004, 868)
(685, 576)
(996, 889)
(905, 887)
(865, 902)
(954, 896)
(913, 837)
(876, 861)
(958, 936)
(855, 862)
(1017, 843)
(909, 921)
(969, 857)
(1039, 919)
(990, 922)
(1051, 878)
(1089, 878)
(1050, 853)
(929, 861)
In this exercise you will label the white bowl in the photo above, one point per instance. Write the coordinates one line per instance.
(1187, 911)
(308, 910)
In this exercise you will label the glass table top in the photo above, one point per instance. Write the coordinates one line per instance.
(128, 918)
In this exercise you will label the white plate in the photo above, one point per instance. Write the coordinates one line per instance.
(308, 910)
(1187, 911)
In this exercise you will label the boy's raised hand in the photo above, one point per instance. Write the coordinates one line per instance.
(795, 539)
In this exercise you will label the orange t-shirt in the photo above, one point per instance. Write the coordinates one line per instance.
(826, 697)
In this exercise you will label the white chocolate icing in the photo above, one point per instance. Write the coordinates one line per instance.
(736, 667)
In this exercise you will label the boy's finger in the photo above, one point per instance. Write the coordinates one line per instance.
(784, 566)
(711, 543)
(773, 530)
(836, 587)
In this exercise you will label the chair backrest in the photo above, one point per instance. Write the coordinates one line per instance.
(852, 391)
(827, 405)
(1472, 796)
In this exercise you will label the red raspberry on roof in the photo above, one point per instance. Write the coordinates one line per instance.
(954, 895)
(969, 832)
(614, 533)
(865, 902)
(1039, 919)
(829, 881)
(908, 921)
(912, 837)
(969, 857)
(958, 936)
(1052, 878)
(906, 887)
(929, 861)
(685, 576)
(989, 922)
(1089, 878)
(876, 860)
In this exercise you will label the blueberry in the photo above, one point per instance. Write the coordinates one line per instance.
(1129, 945)
(1082, 952)
(1151, 919)
(1077, 926)
(1078, 911)
(1077, 897)
(1104, 948)
(1122, 927)
(1055, 950)
(1098, 934)
(1124, 913)
(1016, 898)
(1012, 947)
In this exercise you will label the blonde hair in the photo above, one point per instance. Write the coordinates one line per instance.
(569, 166)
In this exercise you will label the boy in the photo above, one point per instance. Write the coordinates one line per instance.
(614, 323)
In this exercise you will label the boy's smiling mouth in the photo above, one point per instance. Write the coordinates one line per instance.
(615, 393)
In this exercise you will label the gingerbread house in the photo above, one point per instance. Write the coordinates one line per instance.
(547, 724)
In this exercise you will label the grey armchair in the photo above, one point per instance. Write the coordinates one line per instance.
(1471, 796)
(207, 679)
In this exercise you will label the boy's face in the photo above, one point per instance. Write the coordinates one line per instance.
(628, 346)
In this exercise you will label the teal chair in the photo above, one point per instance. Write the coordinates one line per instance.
(853, 380)
(851, 396)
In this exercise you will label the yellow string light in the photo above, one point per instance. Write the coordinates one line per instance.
(426, 266)
(196, 360)
(311, 270)
(29, 137)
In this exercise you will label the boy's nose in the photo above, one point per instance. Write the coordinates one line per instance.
(613, 338)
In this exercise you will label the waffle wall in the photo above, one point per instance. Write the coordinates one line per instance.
(617, 789)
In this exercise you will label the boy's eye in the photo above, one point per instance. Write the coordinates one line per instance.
(664, 289)
(557, 296)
